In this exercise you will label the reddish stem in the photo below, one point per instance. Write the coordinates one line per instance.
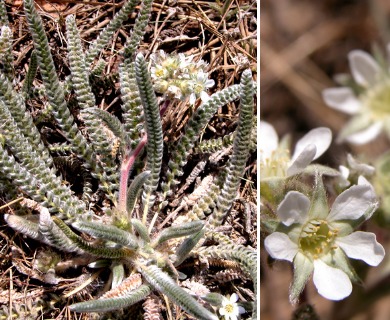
(164, 107)
(126, 166)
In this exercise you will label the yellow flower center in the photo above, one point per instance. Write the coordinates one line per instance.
(229, 308)
(377, 100)
(276, 165)
(317, 238)
(159, 73)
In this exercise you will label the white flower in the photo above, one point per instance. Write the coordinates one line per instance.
(230, 310)
(318, 240)
(275, 160)
(200, 84)
(370, 109)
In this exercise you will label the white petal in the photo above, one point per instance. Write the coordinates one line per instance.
(222, 311)
(294, 208)
(344, 171)
(234, 298)
(192, 98)
(364, 68)
(365, 135)
(209, 83)
(303, 160)
(279, 246)
(342, 99)
(352, 203)
(241, 310)
(363, 246)
(343, 178)
(331, 283)
(204, 96)
(268, 140)
(320, 137)
(363, 181)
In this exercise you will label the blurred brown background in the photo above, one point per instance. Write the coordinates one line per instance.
(304, 43)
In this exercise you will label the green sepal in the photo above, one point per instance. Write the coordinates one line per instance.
(303, 268)
(319, 203)
(268, 225)
(338, 259)
(320, 169)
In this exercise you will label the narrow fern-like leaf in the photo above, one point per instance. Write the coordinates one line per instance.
(106, 35)
(53, 235)
(111, 304)
(31, 73)
(118, 274)
(54, 89)
(134, 190)
(22, 178)
(162, 282)
(141, 229)
(187, 246)
(104, 252)
(192, 132)
(154, 147)
(34, 165)
(133, 114)
(6, 55)
(3, 14)
(106, 232)
(138, 29)
(79, 74)
(85, 97)
(15, 105)
(240, 154)
(182, 230)
(24, 226)
(207, 202)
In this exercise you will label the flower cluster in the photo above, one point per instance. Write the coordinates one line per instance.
(322, 227)
(178, 76)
